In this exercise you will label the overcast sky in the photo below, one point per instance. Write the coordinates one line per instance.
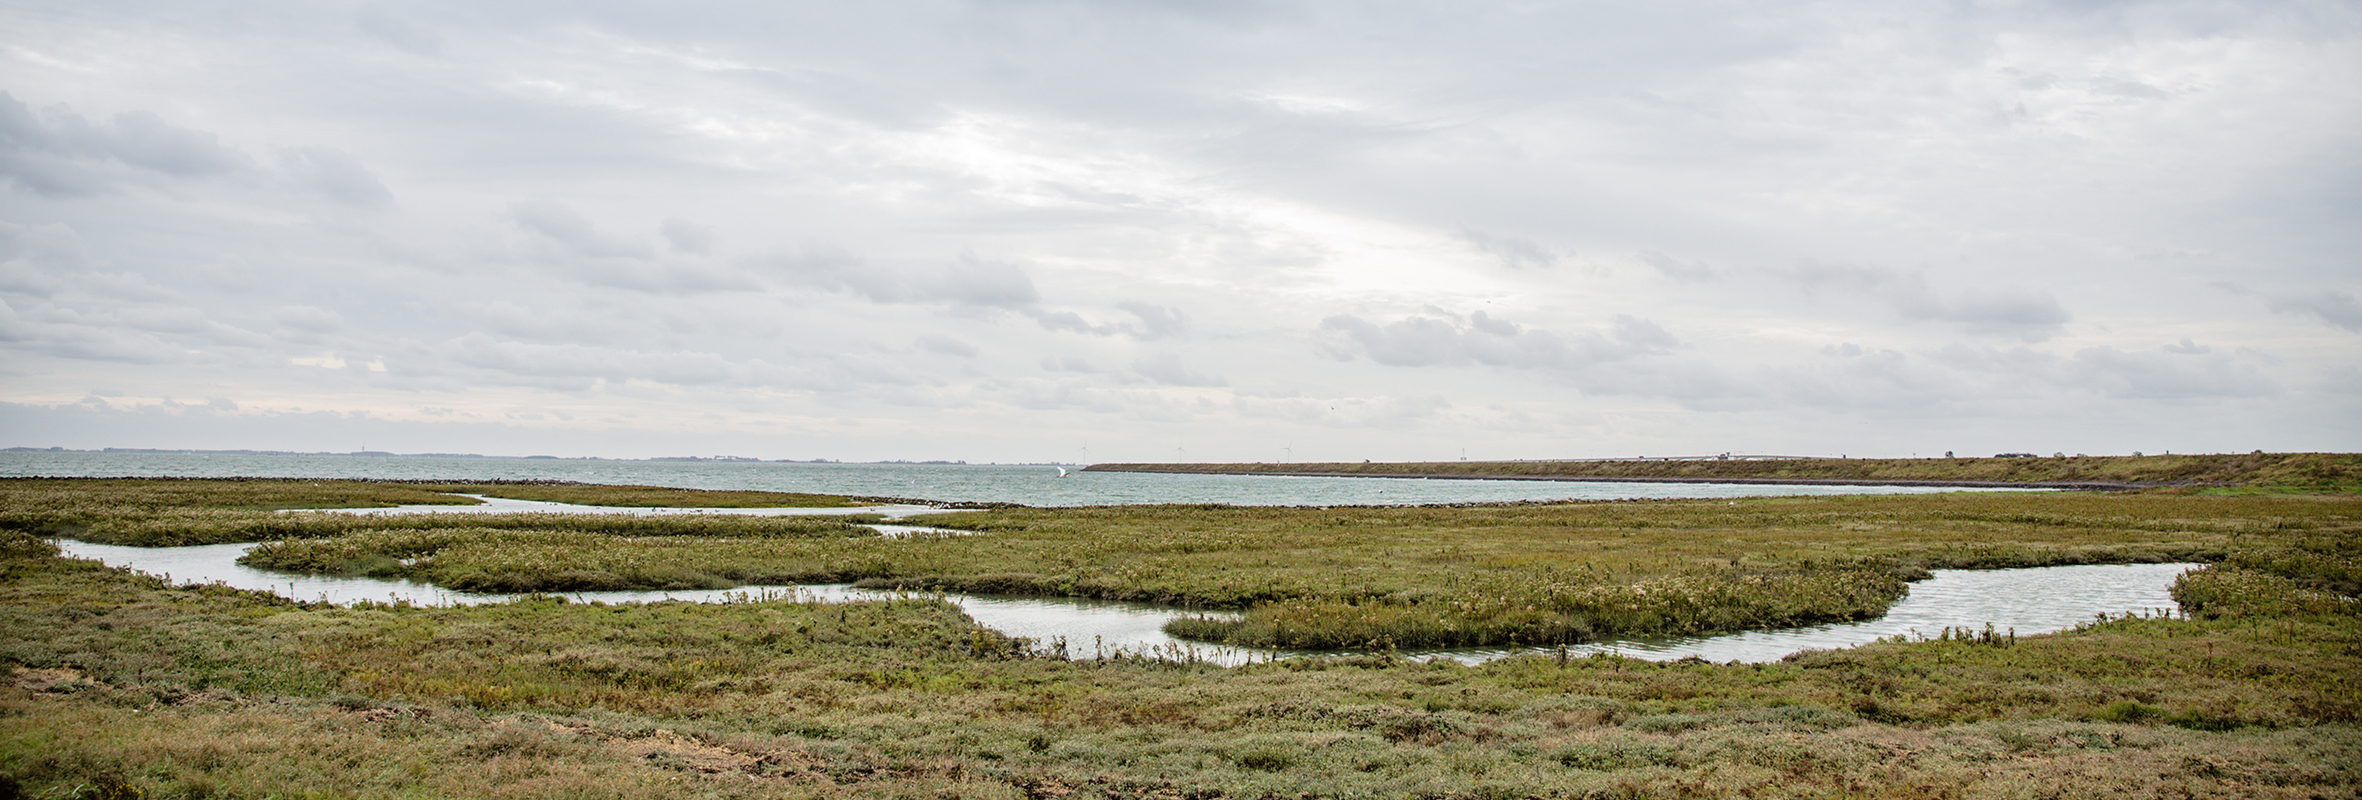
(1218, 230)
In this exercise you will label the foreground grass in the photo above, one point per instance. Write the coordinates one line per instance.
(2312, 470)
(123, 686)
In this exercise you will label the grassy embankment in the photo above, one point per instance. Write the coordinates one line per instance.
(2311, 471)
(125, 687)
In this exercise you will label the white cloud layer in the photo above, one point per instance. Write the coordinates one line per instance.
(1011, 230)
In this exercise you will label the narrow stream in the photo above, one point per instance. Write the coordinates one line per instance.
(2026, 601)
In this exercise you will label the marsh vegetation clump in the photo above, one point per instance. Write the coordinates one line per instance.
(1542, 608)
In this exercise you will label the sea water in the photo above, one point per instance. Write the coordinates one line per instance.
(1032, 485)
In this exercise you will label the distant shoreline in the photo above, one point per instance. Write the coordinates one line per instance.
(2073, 485)
(2016, 470)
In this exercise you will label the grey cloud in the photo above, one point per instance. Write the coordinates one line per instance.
(1069, 322)
(11, 328)
(2120, 87)
(1166, 368)
(1431, 341)
(1071, 395)
(1684, 271)
(120, 331)
(1342, 412)
(31, 158)
(309, 319)
(2031, 316)
(2338, 309)
(966, 281)
(52, 246)
(17, 277)
(2166, 376)
(59, 156)
(835, 270)
(1962, 380)
(582, 253)
(944, 345)
(144, 139)
(1156, 322)
(173, 320)
(228, 273)
(1513, 253)
(977, 282)
(2169, 375)
(402, 33)
(118, 286)
(52, 177)
(662, 278)
(95, 343)
(566, 227)
(336, 175)
(687, 237)
(2021, 360)
(193, 327)
(1068, 365)
(847, 94)
(1091, 196)
(566, 319)
(576, 366)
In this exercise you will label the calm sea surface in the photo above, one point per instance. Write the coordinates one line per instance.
(1028, 485)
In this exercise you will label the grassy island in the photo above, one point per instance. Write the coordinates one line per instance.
(124, 686)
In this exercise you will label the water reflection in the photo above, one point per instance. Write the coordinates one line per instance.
(1037, 485)
(503, 505)
(2028, 601)
(2024, 601)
